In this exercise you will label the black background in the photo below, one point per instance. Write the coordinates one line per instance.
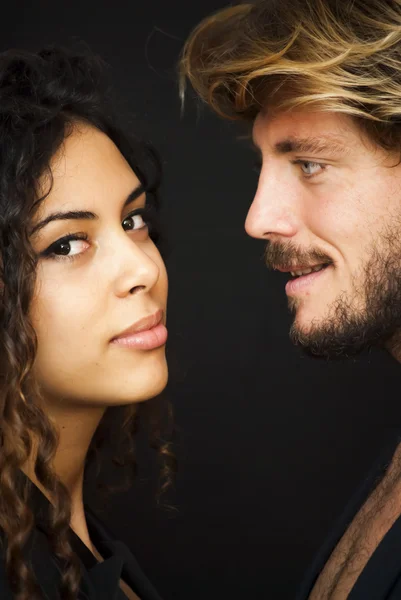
(271, 443)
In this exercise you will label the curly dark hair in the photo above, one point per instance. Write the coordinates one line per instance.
(42, 95)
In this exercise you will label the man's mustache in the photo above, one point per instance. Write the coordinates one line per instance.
(282, 255)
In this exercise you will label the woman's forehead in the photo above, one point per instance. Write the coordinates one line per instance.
(88, 168)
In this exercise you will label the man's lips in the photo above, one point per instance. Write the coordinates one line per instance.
(302, 283)
(293, 268)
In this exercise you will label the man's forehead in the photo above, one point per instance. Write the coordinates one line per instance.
(303, 132)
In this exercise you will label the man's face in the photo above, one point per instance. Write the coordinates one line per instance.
(329, 199)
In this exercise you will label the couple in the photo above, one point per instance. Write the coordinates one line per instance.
(84, 286)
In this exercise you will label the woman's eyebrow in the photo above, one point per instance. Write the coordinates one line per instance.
(138, 191)
(82, 214)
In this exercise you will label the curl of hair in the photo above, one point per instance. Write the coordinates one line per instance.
(326, 55)
(42, 95)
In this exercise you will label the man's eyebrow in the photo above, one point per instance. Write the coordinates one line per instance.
(311, 144)
(82, 214)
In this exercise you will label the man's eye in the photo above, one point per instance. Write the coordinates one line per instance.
(310, 168)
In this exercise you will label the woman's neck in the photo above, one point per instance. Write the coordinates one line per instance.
(76, 426)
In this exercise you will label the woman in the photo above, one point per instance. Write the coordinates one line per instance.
(83, 309)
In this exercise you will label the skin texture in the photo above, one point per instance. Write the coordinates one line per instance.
(340, 204)
(114, 278)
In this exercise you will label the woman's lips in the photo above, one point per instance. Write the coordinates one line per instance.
(146, 334)
(152, 338)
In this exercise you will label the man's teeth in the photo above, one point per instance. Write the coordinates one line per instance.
(307, 271)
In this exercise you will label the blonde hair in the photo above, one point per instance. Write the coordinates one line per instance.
(329, 55)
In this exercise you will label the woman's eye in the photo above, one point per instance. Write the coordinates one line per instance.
(67, 247)
(134, 222)
(311, 168)
(70, 247)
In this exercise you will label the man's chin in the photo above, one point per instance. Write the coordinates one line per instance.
(317, 336)
(305, 320)
(327, 339)
(313, 342)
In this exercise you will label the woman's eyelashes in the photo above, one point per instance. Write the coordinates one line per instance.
(73, 245)
(134, 221)
(67, 247)
(141, 220)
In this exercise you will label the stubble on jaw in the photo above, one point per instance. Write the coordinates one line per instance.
(368, 315)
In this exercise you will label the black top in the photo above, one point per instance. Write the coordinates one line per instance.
(381, 577)
(100, 580)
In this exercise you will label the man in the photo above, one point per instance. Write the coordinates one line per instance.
(320, 83)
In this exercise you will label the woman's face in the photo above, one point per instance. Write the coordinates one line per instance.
(99, 274)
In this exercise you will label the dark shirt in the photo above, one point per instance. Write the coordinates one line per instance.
(381, 577)
(100, 580)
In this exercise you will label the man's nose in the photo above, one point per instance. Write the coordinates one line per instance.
(275, 208)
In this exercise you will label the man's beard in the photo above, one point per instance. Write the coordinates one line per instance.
(349, 329)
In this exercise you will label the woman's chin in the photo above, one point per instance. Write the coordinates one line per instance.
(151, 384)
